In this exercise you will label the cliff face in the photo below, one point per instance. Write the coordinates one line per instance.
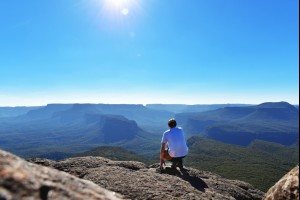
(20, 179)
(134, 180)
(23, 180)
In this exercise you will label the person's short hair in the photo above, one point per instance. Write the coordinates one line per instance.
(172, 123)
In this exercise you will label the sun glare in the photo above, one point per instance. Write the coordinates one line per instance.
(116, 13)
(118, 6)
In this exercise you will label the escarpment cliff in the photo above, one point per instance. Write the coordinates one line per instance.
(87, 177)
(20, 179)
(135, 180)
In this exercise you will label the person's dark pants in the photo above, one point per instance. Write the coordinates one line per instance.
(177, 162)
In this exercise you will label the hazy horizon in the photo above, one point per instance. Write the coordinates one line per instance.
(146, 52)
(39, 105)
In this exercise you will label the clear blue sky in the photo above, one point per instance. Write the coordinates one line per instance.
(148, 51)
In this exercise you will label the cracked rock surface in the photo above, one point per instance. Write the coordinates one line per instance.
(135, 180)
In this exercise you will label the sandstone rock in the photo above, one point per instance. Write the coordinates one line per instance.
(20, 179)
(134, 180)
(287, 188)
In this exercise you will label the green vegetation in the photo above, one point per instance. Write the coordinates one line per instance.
(261, 164)
(113, 153)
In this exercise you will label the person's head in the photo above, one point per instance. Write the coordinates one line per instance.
(172, 123)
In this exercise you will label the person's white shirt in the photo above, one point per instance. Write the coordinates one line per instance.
(174, 137)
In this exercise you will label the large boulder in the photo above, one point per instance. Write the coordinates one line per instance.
(135, 180)
(287, 188)
(20, 179)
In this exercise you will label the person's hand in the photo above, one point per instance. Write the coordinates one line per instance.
(162, 163)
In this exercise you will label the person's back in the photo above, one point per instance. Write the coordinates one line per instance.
(175, 141)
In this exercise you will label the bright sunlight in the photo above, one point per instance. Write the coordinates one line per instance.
(118, 6)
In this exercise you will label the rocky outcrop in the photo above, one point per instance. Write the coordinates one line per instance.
(287, 188)
(135, 180)
(20, 179)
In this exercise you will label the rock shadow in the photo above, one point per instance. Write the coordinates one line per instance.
(195, 181)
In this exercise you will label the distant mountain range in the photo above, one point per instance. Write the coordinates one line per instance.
(274, 122)
(182, 108)
(58, 130)
(15, 111)
(265, 136)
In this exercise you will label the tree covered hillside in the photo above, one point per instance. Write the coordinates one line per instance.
(261, 163)
(113, 153)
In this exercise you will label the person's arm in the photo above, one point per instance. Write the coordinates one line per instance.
(162, 149)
